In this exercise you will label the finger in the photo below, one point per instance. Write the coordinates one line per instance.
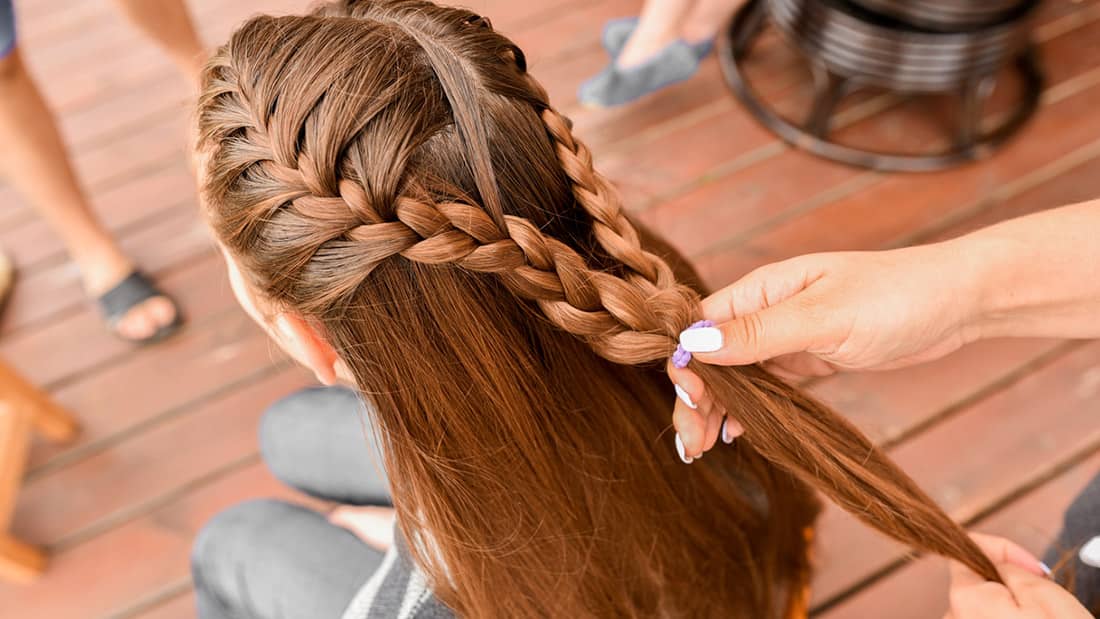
(1001, 551)
(962, 578)
(763, 287)
(800, 366)
(1041, 594)
(705, 412)
(690, 430)
(688, 386)
(983, 600)
(731, 429)
(714, 428)
(790, 327)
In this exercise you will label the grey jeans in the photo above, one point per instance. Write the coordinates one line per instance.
(7, 28)
(1081, 523)
(269, 559)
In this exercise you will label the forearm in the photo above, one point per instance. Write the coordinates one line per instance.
(1036, 276)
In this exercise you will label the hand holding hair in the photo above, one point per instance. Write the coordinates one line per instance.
(1027, 592)
(815, 314)
(1036, 276)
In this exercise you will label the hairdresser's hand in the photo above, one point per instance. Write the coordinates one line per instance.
(1026, 594)
(815, 314)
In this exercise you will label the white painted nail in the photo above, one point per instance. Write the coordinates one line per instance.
(1090, 552)
(680, 450)
(684, 396)
(1046, 569)
(727, 438)
(703, 339)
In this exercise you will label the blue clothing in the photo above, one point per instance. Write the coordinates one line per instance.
(7, 28)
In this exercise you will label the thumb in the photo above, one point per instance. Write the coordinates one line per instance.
(789, 327)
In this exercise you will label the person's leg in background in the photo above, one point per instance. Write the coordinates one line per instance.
(1075, 556)
(266, 559)
(318, 440)
(168, 23)
(663, 46)
(35, 161)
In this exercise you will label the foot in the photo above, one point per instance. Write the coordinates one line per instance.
(373, 525)
(616, 33)
(143, 320)
(618, 85)
(642, 47)
(644, 61)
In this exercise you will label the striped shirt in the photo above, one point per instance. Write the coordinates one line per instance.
(397, 590)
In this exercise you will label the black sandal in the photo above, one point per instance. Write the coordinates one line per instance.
(132, 291)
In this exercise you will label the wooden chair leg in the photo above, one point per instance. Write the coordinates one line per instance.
(55, 423)
(23, 408)
(49, 419)
(20, 562)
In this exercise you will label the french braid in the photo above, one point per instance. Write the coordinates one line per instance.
(330, 188)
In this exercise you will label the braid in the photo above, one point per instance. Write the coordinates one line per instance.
(616, 235)
(619, 321)
(318, 182)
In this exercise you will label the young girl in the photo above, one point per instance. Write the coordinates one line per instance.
(402, 209)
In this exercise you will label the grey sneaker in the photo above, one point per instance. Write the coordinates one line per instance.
(614, 86)
(616, 32)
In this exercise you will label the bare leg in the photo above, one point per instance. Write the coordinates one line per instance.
(658, 25)
(35, 161)
(664, 21)
(169, 24)
(706, 17)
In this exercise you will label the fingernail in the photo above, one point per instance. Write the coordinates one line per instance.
(680, 450)
(1046, 569)
(703, 339)
(727, 438)
(684, 396)
(1090, 552)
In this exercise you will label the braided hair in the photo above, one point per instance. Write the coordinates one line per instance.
(392, 171)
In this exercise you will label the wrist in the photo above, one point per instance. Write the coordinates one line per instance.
(989, 285)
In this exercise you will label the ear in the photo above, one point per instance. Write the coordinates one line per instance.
(306, 344)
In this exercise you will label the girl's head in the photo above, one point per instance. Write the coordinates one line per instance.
(399, 203)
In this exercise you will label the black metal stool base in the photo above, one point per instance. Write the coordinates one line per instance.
(832, 83)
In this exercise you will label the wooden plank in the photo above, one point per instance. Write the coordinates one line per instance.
(48, 292)
(1077, 183)
(1026, 430)
(75, 587)
(178, 607)
(200, 287)
(113, 486)
(862, 221)
(737, 194)
(919, 590)
(208, 360)
(889, 405)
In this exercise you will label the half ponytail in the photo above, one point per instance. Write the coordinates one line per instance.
(784, 425)
(508, 322)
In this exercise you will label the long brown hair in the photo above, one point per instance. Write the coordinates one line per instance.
(390, 170)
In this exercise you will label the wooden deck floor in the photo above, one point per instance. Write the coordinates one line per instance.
(1002, 433)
